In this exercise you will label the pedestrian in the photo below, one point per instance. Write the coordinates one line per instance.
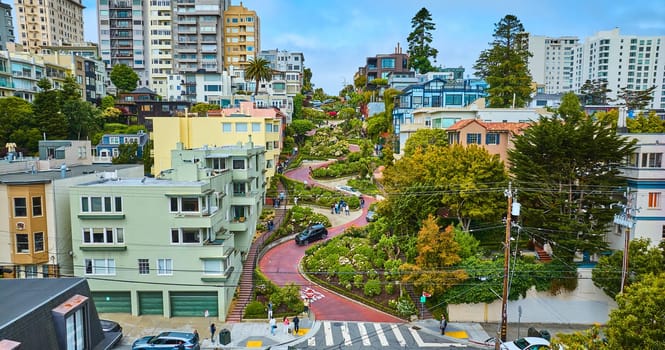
(295, 199)
(196, 336)
(269, 309)
(310, 171)
(362, 202)
(287, 326)
(296, 325)
(181, 345)
(332, 209)
(275, 202)
(336, 208)
(213, 329)
(306, 307)
(348, 210)
(443, 325)
(272, 325)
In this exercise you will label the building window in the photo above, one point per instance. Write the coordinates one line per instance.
(652, 160)
(184, 204)
(387, 63)
(75, 325)
(473, 139)
(144, 266)
(39, 241)
(22, 243)
(214, 266)
(101, 204)
(226, 127)
(241, 127)
(100, 266)
(186, 235)
(654, 200)
(98, 235)
(20, 209)
(256, 127)
(36, 206)
(31, 271)
(492, 138)
(164, 267)
(238, 164)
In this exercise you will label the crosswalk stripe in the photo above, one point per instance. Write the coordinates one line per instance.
(346, 335)
(380, 335)
(327, 329)
(311, 341)
(363, 334)
(398, 335)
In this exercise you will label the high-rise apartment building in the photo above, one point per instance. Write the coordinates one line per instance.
(48, 22)
(6, 26)
(623, 61)
(241, 36)
(552, 62)
(122, 34)
(287, 69)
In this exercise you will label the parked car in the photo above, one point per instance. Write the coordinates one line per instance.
(112, 330)
(527, 343)
(310, 234)
(348, 190)
(168, 340)
(371, 216)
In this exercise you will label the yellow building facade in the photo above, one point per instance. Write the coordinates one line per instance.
(234, 126)
(241, 36)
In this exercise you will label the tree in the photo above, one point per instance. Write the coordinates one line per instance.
(646, 124)
(298, 128)
(202, 108)
(18, 124)
(257, 70)
(643, 260)
(637, 322)
(637, 99)
(360, 82)
(124, 78)
(424, 138)
(83, 119)
(419, 40)
(565, 170)
(594, 92)
(46, 107)
(505, 65)
(71, 90)
(306, 81)
(128, 154)
(437, 251)
(376, 125)
(297, 106)
(107, 101)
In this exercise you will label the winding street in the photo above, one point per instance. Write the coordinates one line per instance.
(280, 265)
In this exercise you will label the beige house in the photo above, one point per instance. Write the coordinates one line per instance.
(495, 137)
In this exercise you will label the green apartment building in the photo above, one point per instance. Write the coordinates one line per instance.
(172, 245)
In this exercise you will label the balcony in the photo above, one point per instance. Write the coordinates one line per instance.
(238, 224)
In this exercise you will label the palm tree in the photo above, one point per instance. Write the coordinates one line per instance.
(257, 70)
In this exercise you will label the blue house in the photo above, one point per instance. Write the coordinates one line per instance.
(435, 93)
(108, 147)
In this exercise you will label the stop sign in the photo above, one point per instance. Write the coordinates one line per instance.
(309, 293)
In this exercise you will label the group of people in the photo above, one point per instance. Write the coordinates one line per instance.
(339, 207)
(286, 325)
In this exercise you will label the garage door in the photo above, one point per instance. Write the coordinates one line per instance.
(151, 303)
(194, 303)
(112, 302)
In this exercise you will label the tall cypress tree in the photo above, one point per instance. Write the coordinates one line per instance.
(47, 111)
(505, 65)
(419, 40)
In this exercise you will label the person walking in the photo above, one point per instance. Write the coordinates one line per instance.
(306, 307)
(332, 209)
(272, 324)
(443, 325)
(269, 309)
(286, 324)
(296, 325)
(213, 329)
(347, 210)
(362, 202)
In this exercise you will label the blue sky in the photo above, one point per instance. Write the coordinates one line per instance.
(336, 36)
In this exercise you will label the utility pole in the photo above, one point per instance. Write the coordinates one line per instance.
(506, 264)
(626, 221)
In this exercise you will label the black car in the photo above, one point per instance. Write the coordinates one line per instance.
(312, 233)
(112, 331)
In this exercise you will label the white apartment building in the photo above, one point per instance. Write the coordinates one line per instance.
(624, 61)
(552, 62)
(159, 44)
(288, 70)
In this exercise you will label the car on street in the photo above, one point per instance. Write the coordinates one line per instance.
(168, 340)
(527, 343)
(112, 330)
(371, 216)
(312, 233)
(348, 190)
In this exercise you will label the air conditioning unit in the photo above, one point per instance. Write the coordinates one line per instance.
(20, 226)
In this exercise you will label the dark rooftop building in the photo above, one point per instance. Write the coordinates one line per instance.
(52, 313)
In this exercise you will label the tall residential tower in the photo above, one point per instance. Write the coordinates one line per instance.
(49, 23)
(6, 26)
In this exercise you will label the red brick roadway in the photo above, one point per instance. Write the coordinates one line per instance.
(280, 265)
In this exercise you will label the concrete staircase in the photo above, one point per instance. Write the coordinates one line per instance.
(245, 288)
(542, 255)
(423, 312)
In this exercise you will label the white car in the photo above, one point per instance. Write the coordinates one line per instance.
(528, 343)
(349, 190)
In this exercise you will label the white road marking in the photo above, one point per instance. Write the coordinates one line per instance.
(380, 334)
(327, 330)
(363, 334)
(398, 335)
(346, 335)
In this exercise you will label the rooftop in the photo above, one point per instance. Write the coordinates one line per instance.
(26, 177)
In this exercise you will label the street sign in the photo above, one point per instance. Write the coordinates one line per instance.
(309, 293)
(423, 299)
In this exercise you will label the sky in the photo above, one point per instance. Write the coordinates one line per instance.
(337, 36)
